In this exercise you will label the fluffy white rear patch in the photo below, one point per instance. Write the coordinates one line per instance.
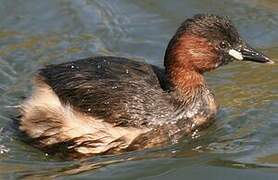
(46, 118)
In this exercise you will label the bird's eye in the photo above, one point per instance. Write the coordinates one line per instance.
(223, 45)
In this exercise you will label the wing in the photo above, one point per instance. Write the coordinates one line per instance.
(116, 90)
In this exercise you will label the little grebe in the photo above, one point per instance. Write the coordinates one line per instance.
(109, 104)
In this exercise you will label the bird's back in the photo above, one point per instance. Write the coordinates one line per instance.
(97, 105)
(118, 90)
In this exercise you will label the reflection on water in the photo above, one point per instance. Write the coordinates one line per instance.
(34, 33)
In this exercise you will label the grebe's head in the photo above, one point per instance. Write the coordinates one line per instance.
(206, 42)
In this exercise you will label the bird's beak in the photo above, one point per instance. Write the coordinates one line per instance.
(247, 53)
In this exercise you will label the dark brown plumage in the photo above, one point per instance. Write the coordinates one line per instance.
(111, 104)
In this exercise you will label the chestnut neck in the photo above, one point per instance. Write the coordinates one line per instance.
(187, 58)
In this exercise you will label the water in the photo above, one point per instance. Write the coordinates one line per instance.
(242, 144)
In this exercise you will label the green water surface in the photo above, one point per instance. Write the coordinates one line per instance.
(241, 144)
